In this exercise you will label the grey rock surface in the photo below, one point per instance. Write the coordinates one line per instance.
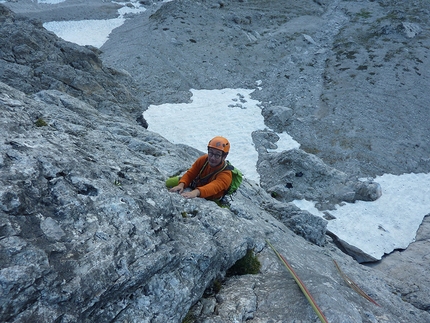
(295, 175)
(88, 231)
(403, 266)
(356, 92)
(32, 59)
(277, 117)
(303, 223)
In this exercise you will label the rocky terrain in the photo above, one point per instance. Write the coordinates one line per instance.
(88, 232)
(353, 72)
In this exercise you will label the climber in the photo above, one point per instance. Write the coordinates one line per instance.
(209, 177)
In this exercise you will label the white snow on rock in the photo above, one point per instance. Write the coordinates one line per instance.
(372, 229)
(83, 32)
(230, 113)
(91, 32)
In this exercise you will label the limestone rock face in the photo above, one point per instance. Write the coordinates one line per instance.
(32, 59)
(303, 223)
(89, 233)
(277, 117)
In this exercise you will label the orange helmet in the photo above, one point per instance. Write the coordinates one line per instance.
(219, 143)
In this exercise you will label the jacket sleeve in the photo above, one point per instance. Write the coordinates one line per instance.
(192, 173)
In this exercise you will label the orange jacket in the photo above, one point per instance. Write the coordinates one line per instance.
(217, 185)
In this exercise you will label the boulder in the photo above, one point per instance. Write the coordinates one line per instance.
(296, 175)
(277, 117)
(312, 228)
